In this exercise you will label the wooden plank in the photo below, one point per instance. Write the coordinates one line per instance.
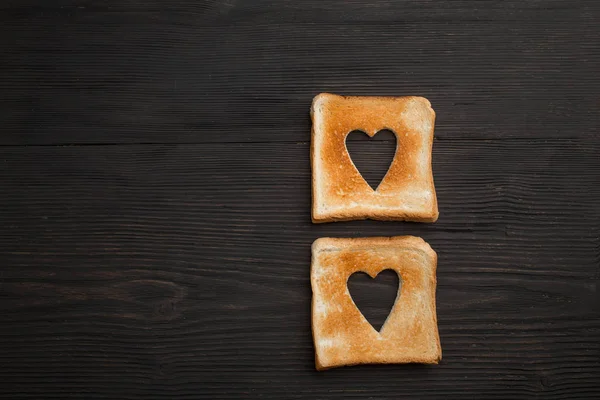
(181, 271)
(223, 71)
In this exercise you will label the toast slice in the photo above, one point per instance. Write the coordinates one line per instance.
(339, 192)
(342, 336)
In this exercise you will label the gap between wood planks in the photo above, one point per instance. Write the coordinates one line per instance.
(296, 142)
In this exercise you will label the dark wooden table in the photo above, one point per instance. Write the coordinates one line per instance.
(155, 194)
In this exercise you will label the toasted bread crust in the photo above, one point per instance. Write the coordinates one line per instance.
(342, 335)
(339, 192)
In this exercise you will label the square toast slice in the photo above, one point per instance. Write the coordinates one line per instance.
(339, 192)
(342, 336)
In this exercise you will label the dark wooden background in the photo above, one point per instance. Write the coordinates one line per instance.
(155, 194)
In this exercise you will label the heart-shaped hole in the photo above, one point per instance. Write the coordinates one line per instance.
(375, 297)
(372, 156)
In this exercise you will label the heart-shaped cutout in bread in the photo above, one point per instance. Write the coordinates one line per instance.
(375, 296)
(372, 155)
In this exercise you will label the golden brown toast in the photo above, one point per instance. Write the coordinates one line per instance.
(342, 335)
(339, 191)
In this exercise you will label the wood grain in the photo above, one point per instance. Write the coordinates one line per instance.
(191, 71)
(155, 194)
(161, 271)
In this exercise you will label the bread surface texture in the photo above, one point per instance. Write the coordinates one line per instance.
(342, 336)
(339, 192)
